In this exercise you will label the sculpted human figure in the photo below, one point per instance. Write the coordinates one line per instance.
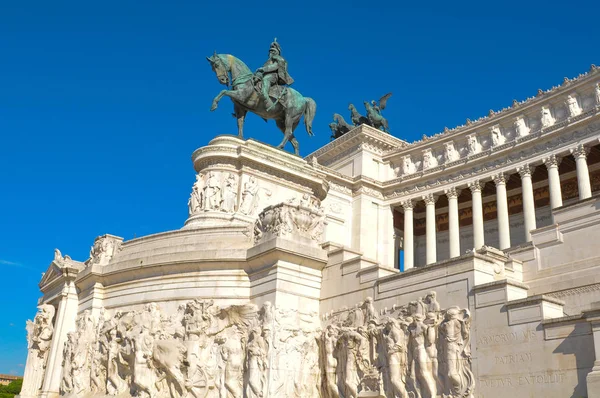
(354, 360)
(431, 338)
(39, 338)
(230, 194)
(573, 105)
(429, 160)
(273, 72)
(212, 192)
(546, 118)
(497, 137)
(369, 311)
(454, 334)
(232, 354)
(114, 383)
(450, 152)
(249, 196)
(144, 374)
(472, 144)
(330, 362)
(597, 92)
(408, 166)
(257, 363)
(521, 127)
(418, 353)
(195, 204)
(66, 385)
(395, 341)
(431, 301)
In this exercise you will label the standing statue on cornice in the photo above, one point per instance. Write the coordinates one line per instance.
(374, 109)
(265, 93)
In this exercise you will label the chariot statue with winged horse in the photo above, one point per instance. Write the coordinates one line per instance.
(374, 118)
(265, 93)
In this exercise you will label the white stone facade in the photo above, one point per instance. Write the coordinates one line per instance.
(462, 265)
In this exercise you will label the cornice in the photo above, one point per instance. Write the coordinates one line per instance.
(361, 137)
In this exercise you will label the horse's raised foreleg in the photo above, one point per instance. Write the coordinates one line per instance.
(216, 100)
(240, 114)
(235, 95)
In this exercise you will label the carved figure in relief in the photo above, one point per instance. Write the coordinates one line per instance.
(418, 354)
(450, 152)
(39, 338)
(521, 127)
(354, 340)
(257, 363)
(456, 355)
(395, 340)
(408, 167)
(330, 362)
(144, 376)
(212, 192)
(195, 204)
(546, 117)
(115, 384)
(573, 106)
(431, 301)
(472, 144)
(230, 194)
(429, 160)
(597, 92)
(497, 137)
(232, 354)
(431, 338)
(66, 385)
(103, 250)
(249, 196)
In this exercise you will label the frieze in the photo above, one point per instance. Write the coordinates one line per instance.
(576, 291)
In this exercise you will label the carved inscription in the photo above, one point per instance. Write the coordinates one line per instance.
(506, 338)
(532, 379)
(513, 358)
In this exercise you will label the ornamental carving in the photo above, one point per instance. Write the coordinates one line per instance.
(39, 338)
(496, 135)
(521, 128)
(408, 167)
(416, 349)
(295, 218)
(104, 249)
(473, 145)
(573, 105)
(450, 153)
(546, 117)
(429, 159)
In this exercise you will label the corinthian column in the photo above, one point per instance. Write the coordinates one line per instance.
(478, 234)
(528, 200)
(431, 256)
(583, 176)
(453, 226)
(552, 163)
(502, 211)
(408, 246)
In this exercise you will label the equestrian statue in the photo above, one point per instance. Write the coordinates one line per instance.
(265, 93)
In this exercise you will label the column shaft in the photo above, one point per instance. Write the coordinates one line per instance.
(583, 174)
(408, 246)
(453, 225)
(431, 256)
(502, 211)
(552, 163)
(478, 233)
(528, 200)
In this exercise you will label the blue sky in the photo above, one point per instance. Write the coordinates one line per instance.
(102, 104)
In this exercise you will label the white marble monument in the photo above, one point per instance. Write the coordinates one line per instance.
(462, 265)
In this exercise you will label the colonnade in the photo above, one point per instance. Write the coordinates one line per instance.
(525, 171)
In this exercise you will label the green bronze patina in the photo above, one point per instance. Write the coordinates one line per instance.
(374, 118)
(265, 93)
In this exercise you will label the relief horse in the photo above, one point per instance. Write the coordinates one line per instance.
(289, 105)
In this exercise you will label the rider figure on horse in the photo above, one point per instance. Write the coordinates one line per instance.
(274, 71)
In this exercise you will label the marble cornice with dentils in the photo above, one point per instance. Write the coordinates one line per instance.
(518, 108)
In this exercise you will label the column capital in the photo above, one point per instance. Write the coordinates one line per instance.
(552, 161)
(452, 193)
(407, 204)
(430, 199)
(580, 151)
(525, 170)
(474, 186)
(499, 179)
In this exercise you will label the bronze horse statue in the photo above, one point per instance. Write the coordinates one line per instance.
(289, 105)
